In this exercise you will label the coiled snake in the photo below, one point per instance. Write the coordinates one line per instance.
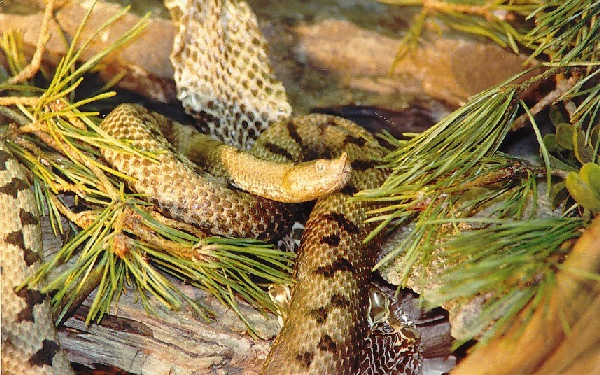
(327, 325)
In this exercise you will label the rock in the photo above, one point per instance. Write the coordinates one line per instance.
(445, 69)
(144, 62)
(326, 53)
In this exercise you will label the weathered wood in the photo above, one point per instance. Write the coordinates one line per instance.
(171, 342)
(179, 342)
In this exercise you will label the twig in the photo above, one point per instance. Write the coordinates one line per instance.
(34, 66)
(13, 115)
(14, 100)
(444, 7)
(43, 131)
(562, 86)
(61, 104)
(136, 224)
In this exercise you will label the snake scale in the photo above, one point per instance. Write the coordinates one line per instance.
(29, 341)
(326, 328)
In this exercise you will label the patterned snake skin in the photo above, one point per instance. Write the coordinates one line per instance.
(326, 328)
(326, 323)
(330, 299)
(29, 341)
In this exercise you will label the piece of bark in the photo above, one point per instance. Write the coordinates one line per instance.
(143, 62)
(171, 342)
(179, 342)
(130, 339)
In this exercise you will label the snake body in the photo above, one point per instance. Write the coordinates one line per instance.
(330, 298)
(326, 326)
(183, 192)
(29, 341)
(329, 302)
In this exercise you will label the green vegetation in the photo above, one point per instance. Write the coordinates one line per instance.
(118, 241)
(472, 208)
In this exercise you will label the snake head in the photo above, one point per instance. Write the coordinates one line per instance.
(319, 178)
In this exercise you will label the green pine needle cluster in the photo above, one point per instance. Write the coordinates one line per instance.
(521, 257)
(473, 208)
(118, 242)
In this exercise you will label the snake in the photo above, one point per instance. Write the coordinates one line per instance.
(224, 80)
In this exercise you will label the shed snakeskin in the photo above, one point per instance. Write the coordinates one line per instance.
(326, 329)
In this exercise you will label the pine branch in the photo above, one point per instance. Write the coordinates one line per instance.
(119, 241)
(502, 22)
(566, 31)
(475, 208)
(511, 263)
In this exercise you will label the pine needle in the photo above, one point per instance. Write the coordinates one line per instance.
(511, 263)
(476, 208)
(117, 243)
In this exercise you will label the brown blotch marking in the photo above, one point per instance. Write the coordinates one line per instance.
(293, 132)
(342, 221)
(320, 314)
(32, 297)
(327, 153)
(306, 358)
(359, 141)
(323, 127)
(165, 124)
(341, 264)
(5, 156)
(16, 239)
(331, 239)
(363, 165)
(339, 301)
(278, 150)
(326, 343)
(205, 119)
(307, 152)
(30, 257)
(332, 121)
(169, 121)
(312, 154)
(349, 189)
(45, 356)
(27, 218)
(14, 187)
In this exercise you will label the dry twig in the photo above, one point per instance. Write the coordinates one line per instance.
(34, 66)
